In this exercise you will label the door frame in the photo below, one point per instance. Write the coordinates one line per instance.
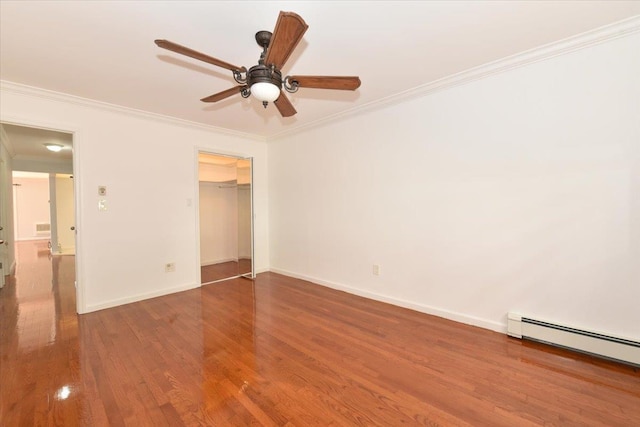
(196, 204)
(5, 269)
(76, 137)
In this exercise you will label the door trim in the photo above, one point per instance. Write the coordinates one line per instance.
(196, 206)
(76, 136)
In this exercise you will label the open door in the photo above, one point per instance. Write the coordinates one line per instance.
(225, 217)
(63, 237)
(4, 243)
(245, 216)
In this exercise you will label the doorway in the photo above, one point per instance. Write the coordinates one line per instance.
(5, 179)
(225, 212)
(48, 155)
(43, 209)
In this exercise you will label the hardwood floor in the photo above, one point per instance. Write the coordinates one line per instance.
(280, 351)
(224, 270)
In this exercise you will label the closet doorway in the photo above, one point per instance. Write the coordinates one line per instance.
(226, 217)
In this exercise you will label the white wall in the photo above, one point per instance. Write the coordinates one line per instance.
(31, 207)
(217, 173)
(218, 223)
(39, 165)
(149, 167)
(517, 192)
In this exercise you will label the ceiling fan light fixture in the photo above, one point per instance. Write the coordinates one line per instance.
(265, 91)
(264, 83)
(53, 147)
(264, 80)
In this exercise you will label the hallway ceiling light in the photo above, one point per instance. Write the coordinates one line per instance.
(54, 147)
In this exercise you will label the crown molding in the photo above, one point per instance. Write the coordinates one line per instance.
(599, 35)
(580, 41)
(21, 89)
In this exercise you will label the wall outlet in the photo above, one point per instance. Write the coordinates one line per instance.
(376, 270)
(169, 267)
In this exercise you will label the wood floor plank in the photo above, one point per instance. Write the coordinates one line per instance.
(279, 352)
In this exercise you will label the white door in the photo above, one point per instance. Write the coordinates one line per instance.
(4, 244)
(65, 216)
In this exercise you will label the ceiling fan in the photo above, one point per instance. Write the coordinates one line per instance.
(265, 80)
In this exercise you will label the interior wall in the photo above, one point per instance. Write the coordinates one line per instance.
(31, 207)
(218, 206)
(148, 165)
(517, 192)
(42, 166)
(218, 223)
(217, 173)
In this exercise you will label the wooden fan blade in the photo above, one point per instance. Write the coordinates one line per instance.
(284, 105)
(224, 94)
(327, 82)
(174, 47)
(289, 30)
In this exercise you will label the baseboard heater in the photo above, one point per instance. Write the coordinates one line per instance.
(619, 349)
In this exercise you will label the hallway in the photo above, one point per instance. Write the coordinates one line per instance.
(39, 342)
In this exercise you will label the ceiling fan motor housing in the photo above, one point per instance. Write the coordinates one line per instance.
(263, 74)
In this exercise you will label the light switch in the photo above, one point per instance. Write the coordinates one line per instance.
(102, 205)
(102, 190)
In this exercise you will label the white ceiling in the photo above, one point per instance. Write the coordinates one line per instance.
(104, 50)
(29, 143)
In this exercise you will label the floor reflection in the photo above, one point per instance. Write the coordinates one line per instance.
(41, 283)
(229, 351)
(224, 270)
(39, 337)
(276, 351)
(141, 363)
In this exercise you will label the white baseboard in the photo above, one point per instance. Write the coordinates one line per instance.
(217, 261)
(139, 297)
(435, 311)
(64, 252)
(29, 239)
